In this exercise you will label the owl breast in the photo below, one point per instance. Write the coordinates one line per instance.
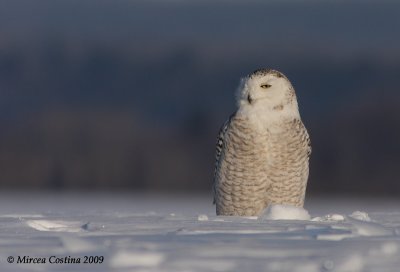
(259, 167)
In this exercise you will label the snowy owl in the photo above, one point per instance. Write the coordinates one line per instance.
(263, 148)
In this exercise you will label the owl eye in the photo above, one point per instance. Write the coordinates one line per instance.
(265, 86)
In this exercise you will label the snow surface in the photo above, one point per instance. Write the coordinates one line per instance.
(182, 233)
(285, 212)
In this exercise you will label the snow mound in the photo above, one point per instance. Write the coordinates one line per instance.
(77, 245)
(285, 212)
(278, 266)
(386, 249)
(389, 249)
(20, 216)
(202, 217)
(329, 218)
(126, 259)
(362, 216)
(58, 226)
(354, 263)
(363, 228)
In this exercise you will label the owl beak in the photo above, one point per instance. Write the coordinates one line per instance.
(249, 99)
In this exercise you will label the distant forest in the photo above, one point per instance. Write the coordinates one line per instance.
(109, 99)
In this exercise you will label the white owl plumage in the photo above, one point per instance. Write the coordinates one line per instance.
(263, 149)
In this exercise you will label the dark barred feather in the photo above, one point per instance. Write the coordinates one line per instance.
(220, 146)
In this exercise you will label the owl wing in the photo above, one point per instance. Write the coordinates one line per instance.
(219, 148)
(309, 151)
(308, 140)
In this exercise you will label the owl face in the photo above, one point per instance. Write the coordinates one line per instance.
(267, 88)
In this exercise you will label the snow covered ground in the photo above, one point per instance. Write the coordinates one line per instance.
(122, 232)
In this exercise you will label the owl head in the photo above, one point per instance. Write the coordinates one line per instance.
(266, 88)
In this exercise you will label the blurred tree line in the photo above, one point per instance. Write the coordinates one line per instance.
(114, 99)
